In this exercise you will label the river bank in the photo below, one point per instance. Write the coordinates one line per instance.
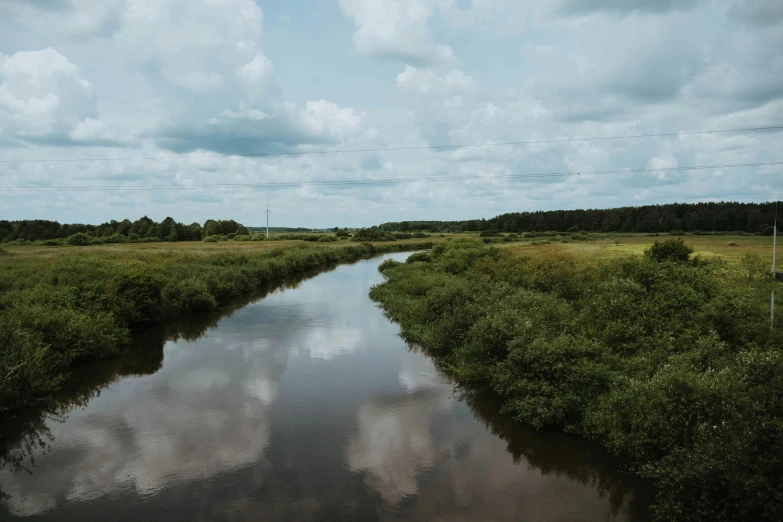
(65, 305)
(301, 405)
(670, 362)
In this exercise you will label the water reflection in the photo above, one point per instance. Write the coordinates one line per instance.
(302, 405)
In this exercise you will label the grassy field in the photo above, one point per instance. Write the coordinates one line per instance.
(611, 246)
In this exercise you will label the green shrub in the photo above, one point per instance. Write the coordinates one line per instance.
(28, 367)
(755, 266)
(671, 364)
(82, 306)
(189, 295)
(79, 239)
(135, 296)
(388, 264)
(669, 250)
(326, 239)
(418, 257)
(232, 235)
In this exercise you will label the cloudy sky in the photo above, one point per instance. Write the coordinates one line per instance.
(177, 91)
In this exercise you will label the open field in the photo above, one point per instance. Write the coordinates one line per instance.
(612, 246)
(195, 248)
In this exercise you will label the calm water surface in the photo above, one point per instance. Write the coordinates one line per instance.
(303, 405)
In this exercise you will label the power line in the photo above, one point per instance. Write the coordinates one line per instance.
(387, 181)
(397, 149)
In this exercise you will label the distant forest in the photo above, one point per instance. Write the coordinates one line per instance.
(280, 229)
(687, 217)
(143, 229)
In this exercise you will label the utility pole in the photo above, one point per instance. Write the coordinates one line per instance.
(774, 274)
(267, 219)
(774, 237)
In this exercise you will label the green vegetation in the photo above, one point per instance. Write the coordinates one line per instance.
(61, 306)
(669, 360)
(725, 216)
(144, 230)
(374, 234)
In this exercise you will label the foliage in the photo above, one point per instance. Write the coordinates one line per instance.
(725, 216)
(671, 364)
(52, 233)
(669, 250)
(754, 265)
(419, 257)
(387, 265)
(79, 239)
(83, 305)
(373, 234)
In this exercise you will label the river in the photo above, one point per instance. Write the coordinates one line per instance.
(303, 404)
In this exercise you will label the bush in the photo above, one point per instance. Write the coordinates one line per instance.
(326, 239)
(114, 238)
(418, 257)
(70, 308)
(230, 236)
(671, 364)
(79, 239)
(676, 233)
(669, 250)
(755, 266)
(210, 239)
(388, 264)
(136, 296)
(767, 230)
(372, 234)
(189, 295)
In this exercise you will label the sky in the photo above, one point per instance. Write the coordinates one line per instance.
(177, 93)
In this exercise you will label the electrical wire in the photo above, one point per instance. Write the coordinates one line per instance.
(397, 149)
(387, 181)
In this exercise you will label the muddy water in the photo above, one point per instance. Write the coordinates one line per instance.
(301, 405)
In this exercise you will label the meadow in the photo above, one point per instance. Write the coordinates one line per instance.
(64, 305)
(663, 352)
(730, 248)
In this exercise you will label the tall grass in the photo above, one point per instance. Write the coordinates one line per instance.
(670, 361)
(57, 311)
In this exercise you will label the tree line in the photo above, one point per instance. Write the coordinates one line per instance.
(724, 216)
(143, 228)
